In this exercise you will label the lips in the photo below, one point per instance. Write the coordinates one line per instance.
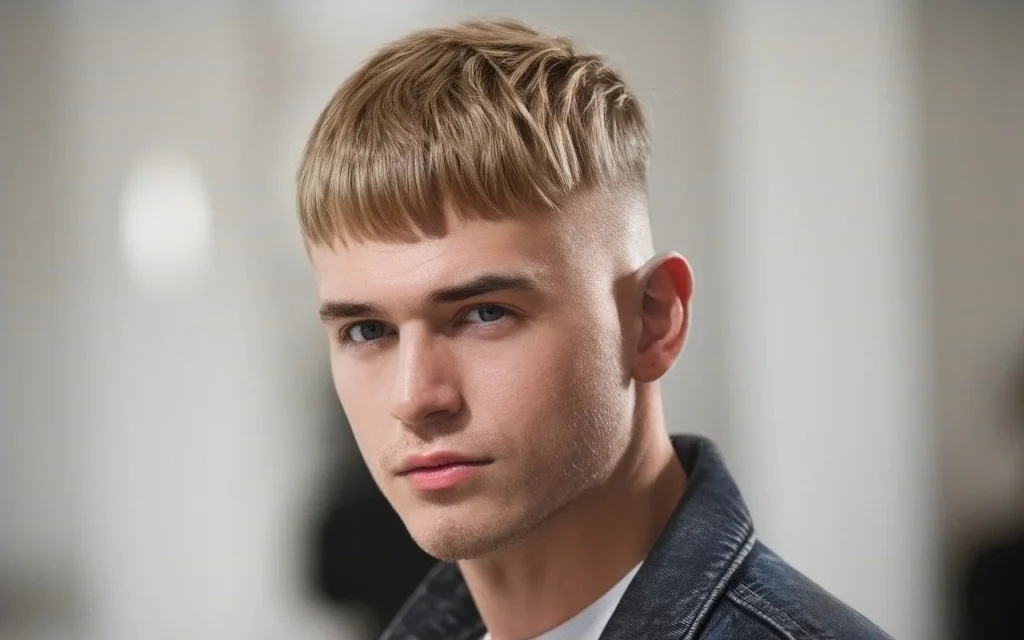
(441, 470)
(438, 461)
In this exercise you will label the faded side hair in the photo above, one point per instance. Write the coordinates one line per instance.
(484, 119)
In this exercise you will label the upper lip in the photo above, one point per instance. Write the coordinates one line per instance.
(419, 461)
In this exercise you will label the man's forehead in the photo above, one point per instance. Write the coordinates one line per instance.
(378, 268)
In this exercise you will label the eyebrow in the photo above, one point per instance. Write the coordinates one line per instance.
(479, 286)
(340, 309)
(483, 285)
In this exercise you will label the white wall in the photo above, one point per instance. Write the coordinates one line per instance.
(975, 96)
(36, 329)
(195, 443)
(826, 262)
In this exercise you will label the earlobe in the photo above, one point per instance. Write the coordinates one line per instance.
(665, 314)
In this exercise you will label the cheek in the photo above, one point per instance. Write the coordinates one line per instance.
(524, 389)
(513, 371)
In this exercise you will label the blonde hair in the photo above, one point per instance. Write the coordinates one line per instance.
(486, 119)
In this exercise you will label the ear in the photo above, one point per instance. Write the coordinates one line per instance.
(665, 315)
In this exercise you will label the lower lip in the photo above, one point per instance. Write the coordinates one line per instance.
(445, 477)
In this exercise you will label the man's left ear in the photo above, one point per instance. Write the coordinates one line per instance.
(665, 315)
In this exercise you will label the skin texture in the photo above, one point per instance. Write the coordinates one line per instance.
(551, 383)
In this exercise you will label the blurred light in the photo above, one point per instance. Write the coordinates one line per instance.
(166, 226)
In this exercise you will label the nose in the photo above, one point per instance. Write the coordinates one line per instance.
(425, 392)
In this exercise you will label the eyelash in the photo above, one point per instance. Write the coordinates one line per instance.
(343, 334)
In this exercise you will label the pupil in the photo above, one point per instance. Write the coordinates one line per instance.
(371, 330)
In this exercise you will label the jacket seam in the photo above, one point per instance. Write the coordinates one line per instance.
(763, 617)
(719, 587)
(767, 608)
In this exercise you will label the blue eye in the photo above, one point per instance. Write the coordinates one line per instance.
(366, 331)
(486, 313)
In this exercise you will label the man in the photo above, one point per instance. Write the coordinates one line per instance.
(473, 201)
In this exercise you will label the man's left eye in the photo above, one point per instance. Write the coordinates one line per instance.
(486, 313)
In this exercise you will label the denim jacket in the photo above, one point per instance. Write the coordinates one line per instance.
(706, 578)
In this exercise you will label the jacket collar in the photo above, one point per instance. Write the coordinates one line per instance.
(706, 539)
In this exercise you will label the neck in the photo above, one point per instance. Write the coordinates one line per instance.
(551, 575)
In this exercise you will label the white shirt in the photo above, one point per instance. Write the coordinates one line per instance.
(589, 623)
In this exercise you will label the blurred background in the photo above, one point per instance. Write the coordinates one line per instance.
(846, 178)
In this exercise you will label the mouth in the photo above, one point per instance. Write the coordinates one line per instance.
(438, 474)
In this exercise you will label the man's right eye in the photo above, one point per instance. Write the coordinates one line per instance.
(365, 332)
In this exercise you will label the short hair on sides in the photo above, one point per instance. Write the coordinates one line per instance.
(487, 119)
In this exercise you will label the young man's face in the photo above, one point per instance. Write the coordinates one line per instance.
(482, 372)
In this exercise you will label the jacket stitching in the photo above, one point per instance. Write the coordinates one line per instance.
(755, 600)
(774, 624)
(741, 555)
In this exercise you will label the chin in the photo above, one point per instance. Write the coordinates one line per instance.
(464, 540)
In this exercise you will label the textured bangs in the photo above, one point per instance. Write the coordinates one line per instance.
(485, 119)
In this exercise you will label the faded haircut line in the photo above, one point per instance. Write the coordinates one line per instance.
(485, 119)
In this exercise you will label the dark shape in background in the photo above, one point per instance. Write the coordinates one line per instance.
(993, 593)
(362, 554)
